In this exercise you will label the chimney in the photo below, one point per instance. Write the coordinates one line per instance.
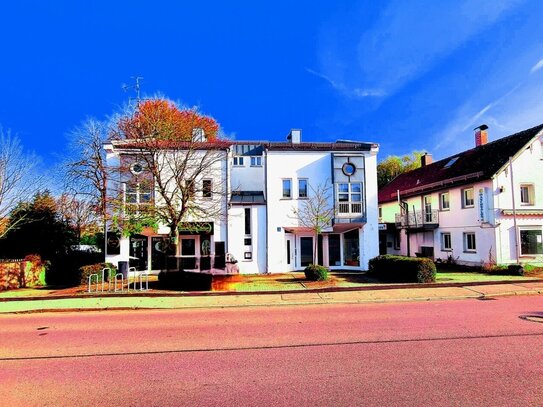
(481, 135)
(295, 136)
(198, 134)
(426, 159)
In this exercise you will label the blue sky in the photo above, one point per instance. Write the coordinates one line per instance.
(406, 74)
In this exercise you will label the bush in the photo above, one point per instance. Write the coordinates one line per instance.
(185, 281)
(505, 270)
(86, 271)
(400, 269)
(314, 272)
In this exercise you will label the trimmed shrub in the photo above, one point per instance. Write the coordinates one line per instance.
(185, 281)
(314, 272)
(401, 269)
(505, 270)
(86, 271)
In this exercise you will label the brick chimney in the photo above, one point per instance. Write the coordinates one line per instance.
(426, 159)
(481, 135)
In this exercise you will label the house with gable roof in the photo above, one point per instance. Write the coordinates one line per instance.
(482, 205)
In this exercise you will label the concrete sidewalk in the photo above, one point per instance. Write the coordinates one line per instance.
(137, 301)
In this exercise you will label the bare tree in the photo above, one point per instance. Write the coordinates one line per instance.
(316, 213)
(86, 172)
(79, 214)
(173, 182)
(17, 179)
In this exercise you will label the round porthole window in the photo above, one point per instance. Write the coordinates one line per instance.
(136, 168)
(348, 169)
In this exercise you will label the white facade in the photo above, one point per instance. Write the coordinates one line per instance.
(481, 230)
(258, 226)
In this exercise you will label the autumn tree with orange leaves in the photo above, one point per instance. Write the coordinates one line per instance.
(162, 119)
(187, 174)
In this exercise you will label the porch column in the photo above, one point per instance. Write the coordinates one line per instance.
(325, 251)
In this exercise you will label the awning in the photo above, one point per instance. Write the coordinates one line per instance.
(345, 227)
(297, 229)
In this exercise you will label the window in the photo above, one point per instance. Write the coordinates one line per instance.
(349, 197)
(446, 244)
(287, 188)
(248, 256)
(306, 251)
(247, 241)
(302, 188)
(334, 250)
(397, 240)
(469, 242)
(380, 212)
(428, 208)
(247, 221)
(206, 188)
(444, 203)
(256, 161)
(238, 161)
(451, 162)
(527, 194)
(531, 242)
(467, 198)
(138, 193)
(348, 169)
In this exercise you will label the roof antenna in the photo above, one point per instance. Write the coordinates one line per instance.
(135, 86)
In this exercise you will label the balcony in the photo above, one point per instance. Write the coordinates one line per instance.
(418, 219)
(349, 209)
(141, 209)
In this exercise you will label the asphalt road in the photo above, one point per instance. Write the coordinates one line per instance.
(450, 353)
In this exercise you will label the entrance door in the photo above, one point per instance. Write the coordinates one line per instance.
(160, 250)
(290, 252)
(189, 252)
(138, 252)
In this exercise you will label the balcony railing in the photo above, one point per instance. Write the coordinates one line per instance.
(349, 208)
(418, 219)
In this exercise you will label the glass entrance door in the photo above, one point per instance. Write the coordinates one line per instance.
(189, 252)
(306, 251)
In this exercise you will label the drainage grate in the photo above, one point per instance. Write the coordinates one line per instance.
(532, 318)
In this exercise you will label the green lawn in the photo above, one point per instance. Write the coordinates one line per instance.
(464, 277)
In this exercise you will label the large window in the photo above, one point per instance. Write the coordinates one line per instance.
(444, 203)
(349, 197)
(287, 188)
(302, 188)
(467, 198)
(206, 188)
(527, 196)
(247, 213)
(137, 193)
(446, 244)
(531, 242)
(469, 242)
(306, 251)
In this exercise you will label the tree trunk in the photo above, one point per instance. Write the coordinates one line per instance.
(316, 251)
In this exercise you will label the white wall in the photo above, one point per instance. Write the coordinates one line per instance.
(236, 236)
(527, 169)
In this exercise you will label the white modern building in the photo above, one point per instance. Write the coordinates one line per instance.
(483, 205)
(256, 188)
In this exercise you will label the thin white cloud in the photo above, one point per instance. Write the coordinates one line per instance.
(354, 93)
(537, 66)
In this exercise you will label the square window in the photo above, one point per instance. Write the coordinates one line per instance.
(444, 203)
(302, 188)
(256, 161)
(446, 244)
(531, 242)
(467, 198)
(248, 255)
(527, 194)
(343, 188)
(469, 242)
(287, 188)
(247, 241)
(238, 161)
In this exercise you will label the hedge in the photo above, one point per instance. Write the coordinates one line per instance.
(401, 269)
(314, 272)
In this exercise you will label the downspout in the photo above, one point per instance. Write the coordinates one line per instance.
(514, 210)
(265, 151)
(227, 197)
